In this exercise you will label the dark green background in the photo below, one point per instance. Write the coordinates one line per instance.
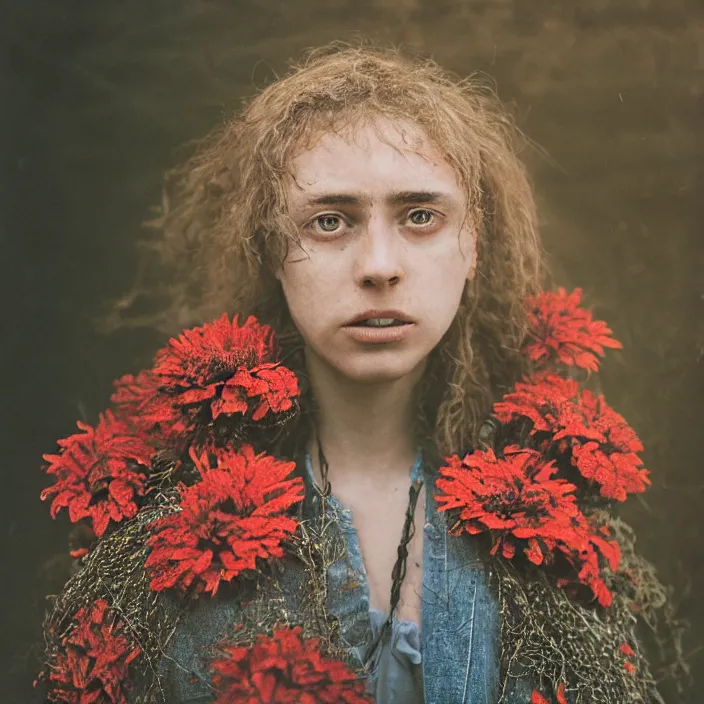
(96, 97)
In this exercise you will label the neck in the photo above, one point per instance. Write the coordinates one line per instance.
(363, 428)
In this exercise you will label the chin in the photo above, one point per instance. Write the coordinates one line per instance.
(372, 377)
(379, 369)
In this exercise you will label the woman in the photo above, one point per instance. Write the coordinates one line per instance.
(403, 496)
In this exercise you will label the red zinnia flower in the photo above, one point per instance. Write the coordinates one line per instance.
(284, 669)
(514, 495)
(93, 664)
(273, 384)
(517, 499)
(617, 473)
(564, 332)
(219, 369)
(547, 401)
(138, 401)
(99, 472)
(233, 515)
(602, 443)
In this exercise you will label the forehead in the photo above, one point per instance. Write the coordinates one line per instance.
(371, 158)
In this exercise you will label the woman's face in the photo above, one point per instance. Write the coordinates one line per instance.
(381, 218)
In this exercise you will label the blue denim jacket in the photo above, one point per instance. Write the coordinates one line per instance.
(460, 631)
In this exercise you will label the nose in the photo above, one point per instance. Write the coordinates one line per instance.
(379, 260)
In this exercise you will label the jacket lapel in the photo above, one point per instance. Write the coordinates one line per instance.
(346, 584)
(347, 588)
(460, 621)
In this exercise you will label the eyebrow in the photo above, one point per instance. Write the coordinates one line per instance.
(400, 198)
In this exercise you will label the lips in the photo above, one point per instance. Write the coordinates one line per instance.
(374, 336)
(396, 315)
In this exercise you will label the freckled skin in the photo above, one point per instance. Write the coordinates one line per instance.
(415, 257)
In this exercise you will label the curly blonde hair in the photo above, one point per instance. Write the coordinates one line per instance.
(224, 230)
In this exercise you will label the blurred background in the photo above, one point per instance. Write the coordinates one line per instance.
(98, 99)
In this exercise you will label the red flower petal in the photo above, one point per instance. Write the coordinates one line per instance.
(93, 664)
(121, 491)
(233, 516)
(208, 374)
(627, 650)
(538, 698)
(99, 472)
(564, 332)
(517, 499)
(101, 517)
(533, 552)
(284, 668)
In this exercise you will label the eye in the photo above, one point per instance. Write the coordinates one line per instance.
(420, 216)
(328, 222)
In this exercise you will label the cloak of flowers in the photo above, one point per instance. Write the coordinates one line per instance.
(99, 473)
(284, 668)
(235, 514)
(93, 665)
(211, 381)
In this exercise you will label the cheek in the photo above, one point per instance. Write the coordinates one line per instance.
(445, 296)
(298, 295)
(440, 294)
(446, 276)
(309, 294)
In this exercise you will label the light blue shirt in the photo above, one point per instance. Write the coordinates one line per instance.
(399, 676)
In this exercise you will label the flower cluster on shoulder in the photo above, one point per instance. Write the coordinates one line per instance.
(526, 508)
(207, 390)
(536, 501)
